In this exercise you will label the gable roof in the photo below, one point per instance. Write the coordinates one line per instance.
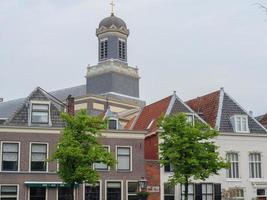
(150, 114)
(20, 115)
(218, 107)
(207, 107)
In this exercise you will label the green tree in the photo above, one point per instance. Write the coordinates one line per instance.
(79, 148)
(189, 149)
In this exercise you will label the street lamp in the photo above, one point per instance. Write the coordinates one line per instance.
(142, 183)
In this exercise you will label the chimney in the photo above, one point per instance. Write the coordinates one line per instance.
(70, 105)
(1, 100)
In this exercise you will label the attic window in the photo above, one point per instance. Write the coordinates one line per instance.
(240, 123)
(40, 113)
(112, 124)
(190, 119)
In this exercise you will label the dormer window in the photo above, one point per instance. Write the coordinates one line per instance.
(190, 119)
(40, 113)
(240, 123)
(103, 49)
(113, 124)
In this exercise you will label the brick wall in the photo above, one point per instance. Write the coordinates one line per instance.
(152, 168)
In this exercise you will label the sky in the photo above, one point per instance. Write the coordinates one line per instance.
(192, 47)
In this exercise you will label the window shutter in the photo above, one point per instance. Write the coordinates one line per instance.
(218, 191)
(198, 191)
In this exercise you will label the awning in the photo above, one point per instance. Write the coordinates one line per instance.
(37, 184)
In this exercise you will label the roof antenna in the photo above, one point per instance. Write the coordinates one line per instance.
(112, 7)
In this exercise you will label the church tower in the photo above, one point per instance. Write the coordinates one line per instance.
(112, 74)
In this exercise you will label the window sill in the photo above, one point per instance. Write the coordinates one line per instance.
(234, 180)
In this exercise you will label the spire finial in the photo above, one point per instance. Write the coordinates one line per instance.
(112, 7)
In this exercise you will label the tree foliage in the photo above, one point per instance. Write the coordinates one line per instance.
(79, 148)
(189, 149)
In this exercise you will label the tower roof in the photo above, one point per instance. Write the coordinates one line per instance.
(112, 20)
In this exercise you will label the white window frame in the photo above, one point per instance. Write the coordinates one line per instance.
(238, 164)
(106, 191)
(238, 198)
(100, 189)
(193, 118)
(261, 162)
(235, 125)
(130, 181)
(30, 113)
(47, 156)
(46, 193)
(123, 41)
(103, 170)
(113, 119)
(1, 155)
(131, 158)
(17, 185)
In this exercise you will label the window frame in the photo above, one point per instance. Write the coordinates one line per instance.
(122, 49)
(206, 194)
(103, 41)
(255, 163)
(189, 194)
(127, 192)
(130, 160)
(236, 162)
(168, 195)
(234, 120)
(108, 167)
(113, 181)
(193, 118)
(113, 119)
(47, 155)
(10, 196)
(46, 193)
(1, 155)
(100, 189)
(32, 103)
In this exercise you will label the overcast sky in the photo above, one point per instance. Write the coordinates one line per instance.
(191, 46)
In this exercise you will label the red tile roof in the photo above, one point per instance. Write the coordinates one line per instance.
(129, 123)
(263, 120)
(151, 113)
(206, 106)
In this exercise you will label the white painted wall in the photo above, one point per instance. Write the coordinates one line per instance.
(243, 144)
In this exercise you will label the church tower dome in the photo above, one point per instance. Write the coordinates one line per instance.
(112, 74)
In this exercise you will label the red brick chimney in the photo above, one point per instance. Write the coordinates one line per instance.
(70, 105)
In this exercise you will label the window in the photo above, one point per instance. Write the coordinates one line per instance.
(8, 192)
(114, 190)
(122, 49)
(64, 193)
(168, 192)
(190, 192)
(92, 192)
(168, 168)
(124, 158)
(38, 157)
(261, 193)
(240, 123)
(103, 49)
(235, 194)
(10, 155)
(40, 114)
(255, 165)
(233, 172)
(102, 166)
(190, 119)
(113, 124)
(207, 191)
(37, 193)
(133, 189)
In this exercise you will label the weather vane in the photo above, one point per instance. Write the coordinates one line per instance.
(112, 6)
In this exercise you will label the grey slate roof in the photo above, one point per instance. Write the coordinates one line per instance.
(76, 91)
(9, 107)
(112, 20)
(230, 108)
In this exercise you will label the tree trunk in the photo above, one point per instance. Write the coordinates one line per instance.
(72, 191)
(186, 189)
